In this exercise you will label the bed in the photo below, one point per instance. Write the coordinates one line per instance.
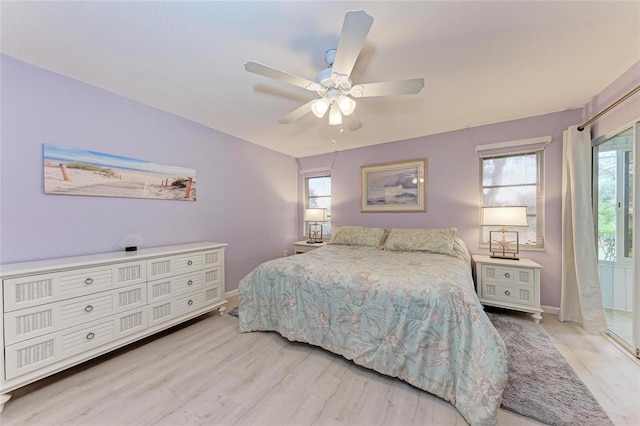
(401, 303)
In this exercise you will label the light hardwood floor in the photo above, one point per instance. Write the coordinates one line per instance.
(208, 373)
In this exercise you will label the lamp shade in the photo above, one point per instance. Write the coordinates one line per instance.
(346, 104)
(335, 117)
(320, 106)
(504, 216)
(315, 215)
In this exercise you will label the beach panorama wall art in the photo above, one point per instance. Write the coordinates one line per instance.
(394, 187)
(70, 171)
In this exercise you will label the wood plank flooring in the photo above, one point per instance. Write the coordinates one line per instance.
(208, 373)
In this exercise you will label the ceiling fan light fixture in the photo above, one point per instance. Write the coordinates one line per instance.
(320, 106)
(335, 117)
(346, 105)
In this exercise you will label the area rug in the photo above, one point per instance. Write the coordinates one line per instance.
(542, 385)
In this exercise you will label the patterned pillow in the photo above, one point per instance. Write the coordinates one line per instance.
(460, 249)
(432, 240)
(359, 236)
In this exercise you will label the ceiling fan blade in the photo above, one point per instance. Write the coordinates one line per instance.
(387, 88)
(276, 74)
(355, 28)
(296, 113)
(352, 122)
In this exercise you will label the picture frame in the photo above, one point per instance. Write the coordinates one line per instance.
(399, 186)
(72, 171)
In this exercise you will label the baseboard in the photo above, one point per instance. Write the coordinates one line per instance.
(231, 293)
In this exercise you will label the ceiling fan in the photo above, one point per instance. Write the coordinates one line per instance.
(333, 84)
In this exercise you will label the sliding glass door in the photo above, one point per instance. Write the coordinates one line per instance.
(615, 189)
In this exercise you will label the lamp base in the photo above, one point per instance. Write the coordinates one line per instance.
(311, 241)
(504, 257)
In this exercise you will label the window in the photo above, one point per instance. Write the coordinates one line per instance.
(318, 195)
(515, 179)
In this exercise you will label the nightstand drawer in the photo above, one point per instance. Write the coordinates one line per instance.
(519, 295)
(508, 276)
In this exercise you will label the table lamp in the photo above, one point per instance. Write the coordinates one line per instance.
(315, 216)
(504, 216)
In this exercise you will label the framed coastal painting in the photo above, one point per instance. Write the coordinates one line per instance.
(394, 187)
(71, 171)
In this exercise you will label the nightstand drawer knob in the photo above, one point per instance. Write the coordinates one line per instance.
(190, 282)
(507, 275)
(90, 336)
(190, 263)
(88, 308)
(507, 293)
(190, 302)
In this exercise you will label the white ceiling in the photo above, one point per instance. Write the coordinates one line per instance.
(482, 62)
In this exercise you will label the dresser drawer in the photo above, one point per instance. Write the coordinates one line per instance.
(180, 305)
(39, 320)
(33, 354)
(164, 267)
(170, 287)
(24, 292)
(189, 302)
(179, 284)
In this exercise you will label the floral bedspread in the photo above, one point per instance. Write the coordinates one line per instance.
(411, 315)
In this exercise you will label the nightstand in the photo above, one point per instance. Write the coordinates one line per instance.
(510, 284)
(303, 246)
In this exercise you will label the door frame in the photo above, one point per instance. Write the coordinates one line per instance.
(634, 347)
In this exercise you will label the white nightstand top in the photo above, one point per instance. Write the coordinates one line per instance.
(306, 244)
(526, 263)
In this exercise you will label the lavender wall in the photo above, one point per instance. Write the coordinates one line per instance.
(621, 115)
(237, 180)
(453, 186)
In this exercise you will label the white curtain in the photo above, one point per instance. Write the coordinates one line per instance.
(581, 297)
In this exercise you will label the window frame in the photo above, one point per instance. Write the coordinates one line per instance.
(326, 226)
(540, 197)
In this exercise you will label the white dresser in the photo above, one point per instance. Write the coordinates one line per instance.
(60, 312)
(511, 284)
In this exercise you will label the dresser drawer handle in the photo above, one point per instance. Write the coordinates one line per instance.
(88, 308)
(190, 282)
(90, 336)
(507, 293)
(507, 275)
(190, 302)
(190, 263)
(88, 281)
